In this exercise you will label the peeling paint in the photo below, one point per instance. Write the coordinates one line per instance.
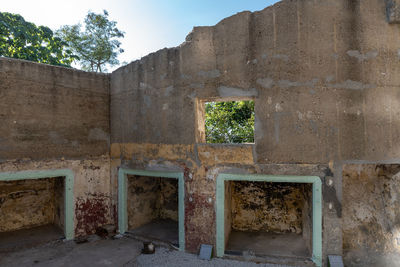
(91, 212)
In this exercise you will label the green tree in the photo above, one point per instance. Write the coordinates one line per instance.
(230, 122)
(24, 40)
(96, 46)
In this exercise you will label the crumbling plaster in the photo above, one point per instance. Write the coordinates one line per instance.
(323, 75)
(92, 200)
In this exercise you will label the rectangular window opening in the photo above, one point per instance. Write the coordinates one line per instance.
(227, 122)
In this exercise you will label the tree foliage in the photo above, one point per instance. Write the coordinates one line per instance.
(230, 122)
(24, 40)
(97, 45)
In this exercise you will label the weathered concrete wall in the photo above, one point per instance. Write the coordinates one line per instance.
(371, 214)
(92, 198)
(201, 165)
(393, 11)
(30, 203)
(168, 199)
(151, 198)
(142, 200)
(268, 207)
(52, 112)
(58, 118)
(323, 75)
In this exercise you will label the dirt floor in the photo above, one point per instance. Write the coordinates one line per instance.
(262, 243)
(107, 252)
(27, 238)
(163, 230)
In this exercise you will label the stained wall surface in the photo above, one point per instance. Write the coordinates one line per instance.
(52, 112)
(324, 78)
(30, 203)
(268, 207)
(151, 198)
(323, 75)
(92, 201)
(58, 118)
(371, 214)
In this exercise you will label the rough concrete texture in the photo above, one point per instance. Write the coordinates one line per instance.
(371, 214)
(30, 203)
(324, 78)
(323, 75)
(314, 103)
(151, 198)
(267, 207)
(201, 165)
(264, 217)
(92, 200)
(51, 112)
(393, 11)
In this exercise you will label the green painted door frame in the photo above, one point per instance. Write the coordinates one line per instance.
(122, 198)
(68, 195)
(316, 206)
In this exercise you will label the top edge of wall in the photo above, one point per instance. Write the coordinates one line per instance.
(44, 65)
(199, 28)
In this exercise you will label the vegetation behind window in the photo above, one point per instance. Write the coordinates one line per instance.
(229, 122)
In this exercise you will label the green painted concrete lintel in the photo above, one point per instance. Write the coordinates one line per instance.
(317, 206)
(122, 198)
(68, 186)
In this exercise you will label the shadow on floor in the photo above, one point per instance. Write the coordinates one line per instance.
(161, 230)
(27, 238)
(264, 243)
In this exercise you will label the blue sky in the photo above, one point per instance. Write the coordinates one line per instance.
(149, 25)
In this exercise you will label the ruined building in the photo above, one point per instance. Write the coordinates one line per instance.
(83, 150)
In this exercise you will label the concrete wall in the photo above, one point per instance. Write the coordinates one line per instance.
(324, 77)
(54, 118)
(268, 207)
(92, 199)
(30, 203)
(52, 112)
(371, 214)
(151, 198)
